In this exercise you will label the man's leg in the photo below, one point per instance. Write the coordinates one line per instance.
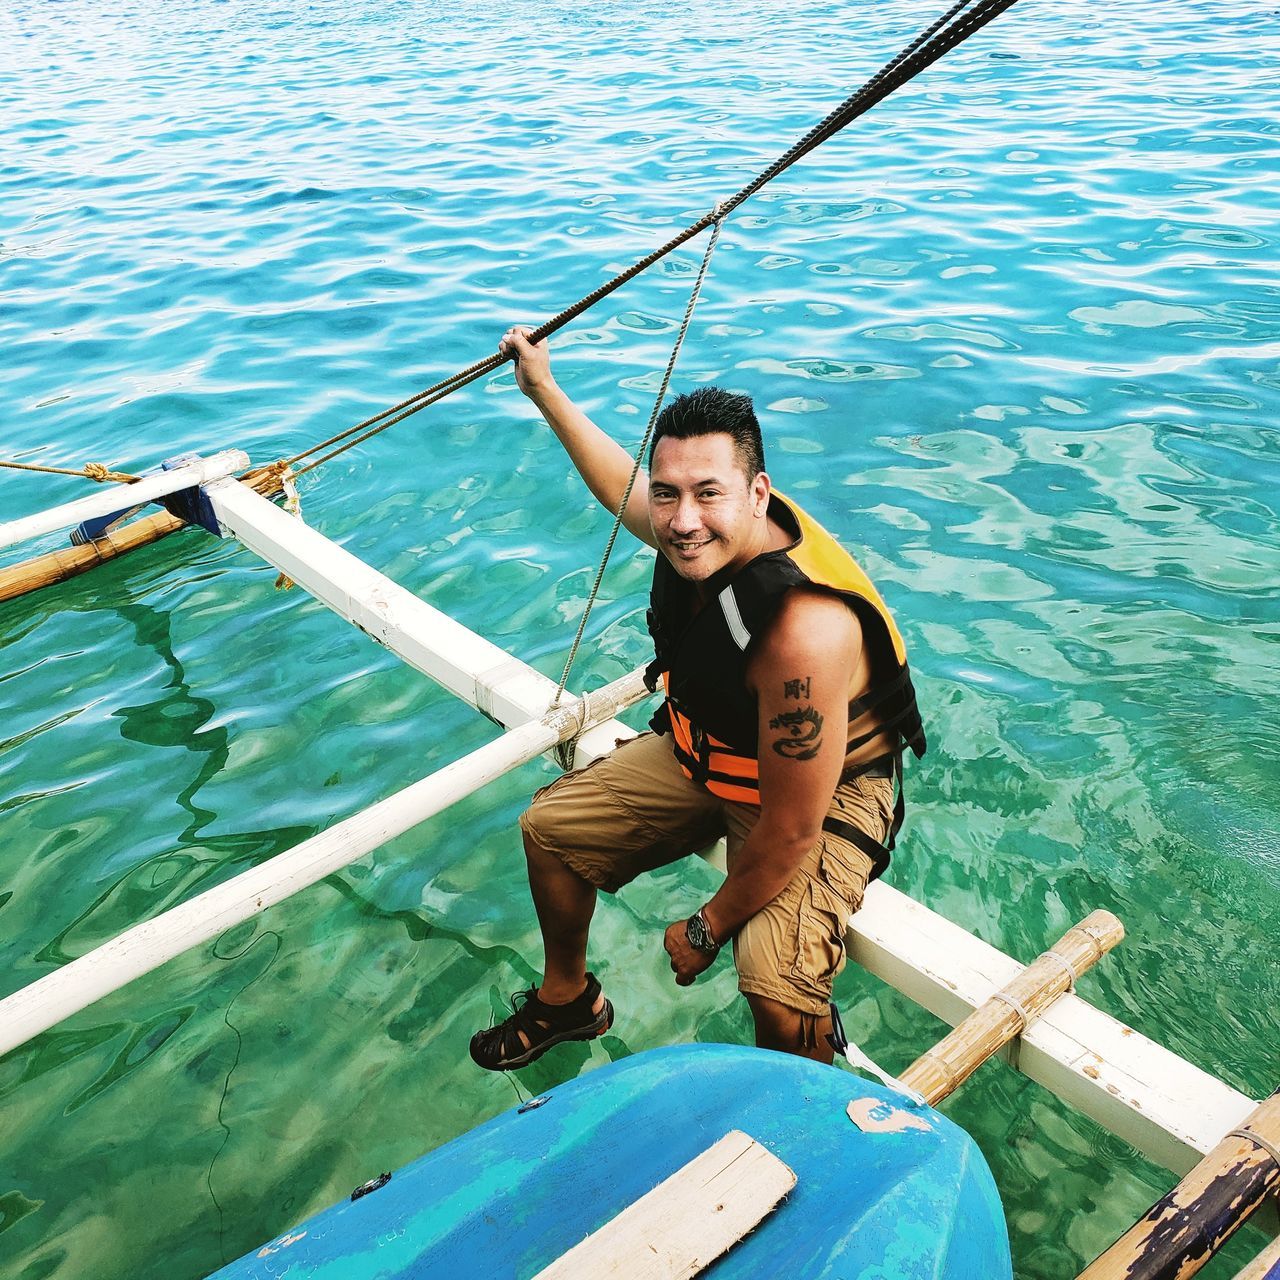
(790, 951)
(595, 829)
(789, 1030)
(565, 903)
(570, 1004)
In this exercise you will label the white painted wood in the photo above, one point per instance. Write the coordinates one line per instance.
(1266, 1266)
(116, 496)
(686, 1222)
(1169, 1109)
(505, 689)
(147, 946)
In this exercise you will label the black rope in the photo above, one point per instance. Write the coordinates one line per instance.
(953, 27)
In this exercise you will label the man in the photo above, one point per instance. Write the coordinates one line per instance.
(788, 704)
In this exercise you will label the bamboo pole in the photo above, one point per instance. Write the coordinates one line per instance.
(1183, 1229)
(941, 1070)
(1266, 1266)
(1169, 1109)
(103, 503)
(58, 566)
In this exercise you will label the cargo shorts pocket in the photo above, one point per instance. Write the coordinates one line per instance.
(845, 870)
(819, 952)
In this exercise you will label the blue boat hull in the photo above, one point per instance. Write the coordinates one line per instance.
(508, 1198)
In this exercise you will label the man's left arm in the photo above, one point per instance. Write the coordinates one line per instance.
(800, 676)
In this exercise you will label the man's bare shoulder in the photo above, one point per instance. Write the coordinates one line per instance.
(812, 626)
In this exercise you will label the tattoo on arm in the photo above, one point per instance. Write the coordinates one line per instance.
(801, 735)
(796, 688)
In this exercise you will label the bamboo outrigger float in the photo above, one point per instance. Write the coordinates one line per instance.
(1170, 1110)
(62, 565)
(1183, 1230)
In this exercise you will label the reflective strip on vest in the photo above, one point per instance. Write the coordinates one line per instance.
(733, 618)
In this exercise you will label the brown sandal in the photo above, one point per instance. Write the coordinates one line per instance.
(503, 1048)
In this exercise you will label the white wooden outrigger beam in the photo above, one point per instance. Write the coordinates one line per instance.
(146, 946)
(505, 689)
(114, 497)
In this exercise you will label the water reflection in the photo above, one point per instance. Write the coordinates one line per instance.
(175, 719)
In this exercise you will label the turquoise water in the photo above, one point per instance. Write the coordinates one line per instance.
(1015, 338)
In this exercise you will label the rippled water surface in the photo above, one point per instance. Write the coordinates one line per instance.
(1014, 337)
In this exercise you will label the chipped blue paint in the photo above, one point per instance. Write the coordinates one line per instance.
(511, 1196)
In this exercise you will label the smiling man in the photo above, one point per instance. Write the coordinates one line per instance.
(788, 706)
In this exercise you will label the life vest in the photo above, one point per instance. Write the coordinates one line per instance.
(702, 655)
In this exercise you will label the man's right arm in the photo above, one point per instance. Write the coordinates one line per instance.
(603, 463)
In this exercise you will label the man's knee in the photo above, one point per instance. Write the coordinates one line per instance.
(550, 870)
(534, 853)
(790, 1030)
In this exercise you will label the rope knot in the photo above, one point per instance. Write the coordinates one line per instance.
(292, 506)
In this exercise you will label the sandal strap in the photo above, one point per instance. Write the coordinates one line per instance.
(535, 1013)
(540, 1021)
(524, 1018)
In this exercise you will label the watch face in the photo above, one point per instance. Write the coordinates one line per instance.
(698, 934)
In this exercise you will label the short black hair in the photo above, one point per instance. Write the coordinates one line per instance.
(711, 411)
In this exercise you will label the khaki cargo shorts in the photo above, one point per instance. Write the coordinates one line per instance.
(634, 810)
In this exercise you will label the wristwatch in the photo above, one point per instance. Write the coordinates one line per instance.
(698, 932)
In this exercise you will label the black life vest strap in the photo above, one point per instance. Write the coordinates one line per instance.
(661, 721)
(653, 672)
(877, 852)
(874, 850)
(878, 694)
(899, 804)
(890, 726)
(696, 767)
(903, 722)
(880, 767)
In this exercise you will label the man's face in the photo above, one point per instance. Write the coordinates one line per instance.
(705, 511)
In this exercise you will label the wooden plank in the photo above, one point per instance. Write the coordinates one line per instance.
(502, 687)
(686, 1222)
(146, 946)
(113, 498)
